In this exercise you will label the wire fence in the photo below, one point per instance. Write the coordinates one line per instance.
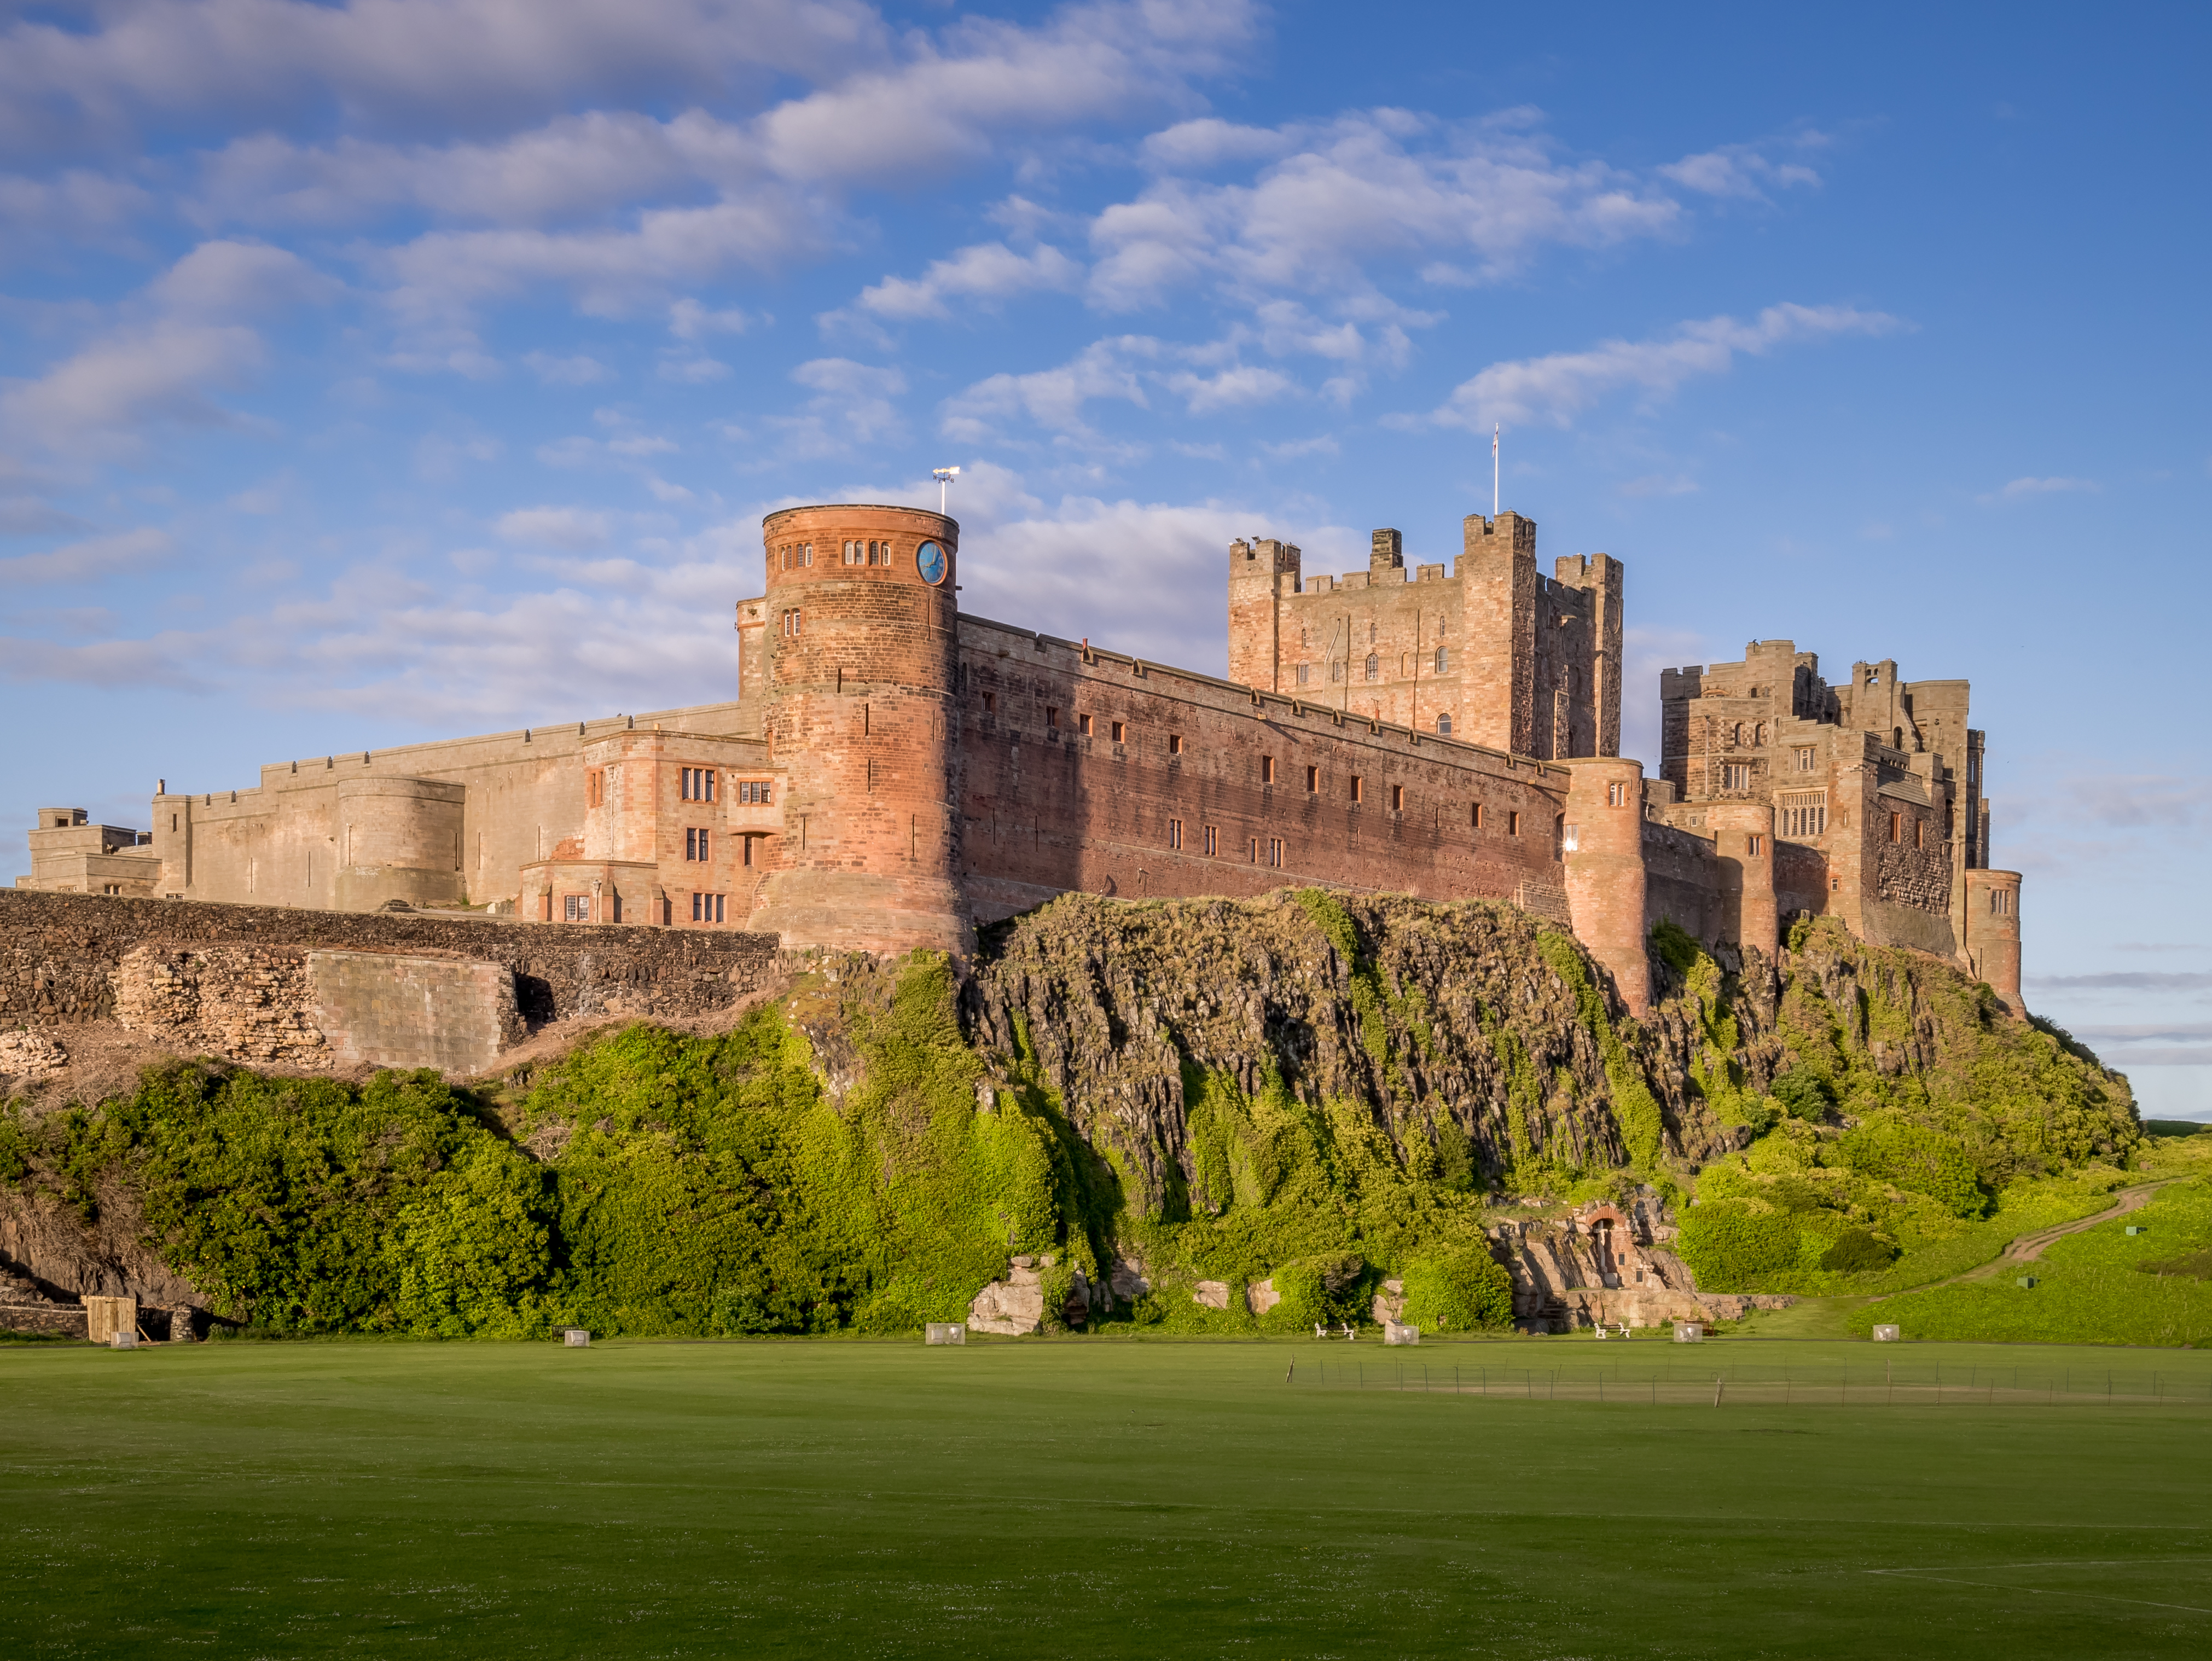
(1891, 1382)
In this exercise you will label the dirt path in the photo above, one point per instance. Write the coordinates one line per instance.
(2028, 1247)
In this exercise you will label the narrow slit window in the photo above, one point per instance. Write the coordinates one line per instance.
(1266, 770)
(1312, 781)
(1120, 733)
(1513, 824)
(1083, 727)
(1397, 798)
(1358, 788)
(1175, 744)
(1476, 817)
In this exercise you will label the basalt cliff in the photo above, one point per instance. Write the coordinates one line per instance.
(1203, 1116)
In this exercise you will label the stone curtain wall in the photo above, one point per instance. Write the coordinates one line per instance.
(59, 953)
(1049, 809)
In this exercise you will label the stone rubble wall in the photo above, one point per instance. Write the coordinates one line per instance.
(59, 955)
(249, 1003)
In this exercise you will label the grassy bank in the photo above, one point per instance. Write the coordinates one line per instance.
(1075, 1498)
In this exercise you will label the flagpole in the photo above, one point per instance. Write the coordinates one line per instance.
(1494, 432)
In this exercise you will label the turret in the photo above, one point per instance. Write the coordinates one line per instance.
(1499, 565)
(1992, 942)
(1259, 573)
(860, 677)
(1602, 847)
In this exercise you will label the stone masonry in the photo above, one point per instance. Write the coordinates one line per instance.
(892, 773)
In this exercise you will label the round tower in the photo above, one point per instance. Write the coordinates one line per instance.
(860, 670)
(1603, 846)
(1992, 942)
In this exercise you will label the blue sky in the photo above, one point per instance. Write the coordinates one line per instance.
(377, 371)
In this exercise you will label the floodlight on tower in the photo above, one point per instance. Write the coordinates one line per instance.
(944, 476)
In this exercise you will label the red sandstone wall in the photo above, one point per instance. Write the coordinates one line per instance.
(1049, 809)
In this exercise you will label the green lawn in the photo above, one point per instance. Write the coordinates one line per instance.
(1095, 1498)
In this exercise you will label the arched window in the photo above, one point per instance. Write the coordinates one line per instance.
(1442, 657)
(1374, 667)
(1444, 726)
(1735, 731)
(1896, 738)
(1336, 671)
(1761, 738)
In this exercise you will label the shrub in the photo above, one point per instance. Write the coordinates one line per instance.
(1913, 1156)
(1458, 1292)
(1857, 1249)
(1804, 1095)
(1731, 1246)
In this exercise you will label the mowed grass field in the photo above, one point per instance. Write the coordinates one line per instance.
(1094, 1498)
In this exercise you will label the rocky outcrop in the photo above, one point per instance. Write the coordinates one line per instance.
(1013, 1306)
(1438, 1012)
(1607, 1265)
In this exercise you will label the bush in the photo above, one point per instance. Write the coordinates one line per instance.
(1855, 1251)
(1731, 1246)
(1458, 1292)
(1803, 1095)
(1925, 1161)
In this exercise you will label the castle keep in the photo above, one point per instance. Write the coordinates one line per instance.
(892, 772)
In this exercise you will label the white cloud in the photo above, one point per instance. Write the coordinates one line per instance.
(1238, 388)
(1324, 445)
(30, 516)
(1558, 387)
(852, 405)
(520, 211)
(1053, 398)
(1745, 170)
(92, 559)
(403, 62)
(693, 369)
(107, 663)
(2022, 488)
(444, 274)
(988, 271)
(572, 528)
(135, 378)
(573, 167)
(239, 280)
(75, 207)
(1373, 188)
(440, 457)
(944, 107)
(577, 371)
(1209, 141)
(690, 320)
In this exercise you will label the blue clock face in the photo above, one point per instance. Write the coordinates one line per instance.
(929, 559)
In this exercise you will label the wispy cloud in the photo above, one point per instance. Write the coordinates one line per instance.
(90, 560)
(988, 273)
(1554, 389)
(2022, 489)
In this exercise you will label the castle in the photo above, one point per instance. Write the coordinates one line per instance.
(892, 773)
